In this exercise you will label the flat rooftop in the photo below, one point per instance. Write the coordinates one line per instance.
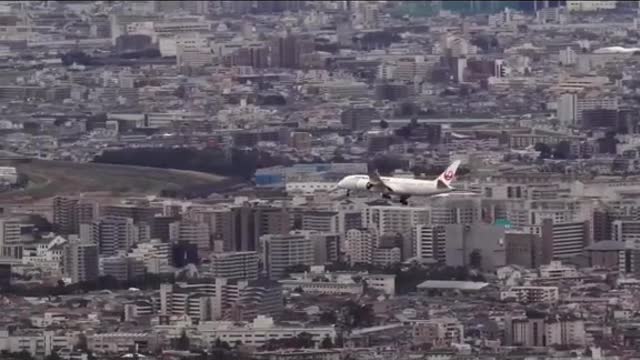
(453, 285)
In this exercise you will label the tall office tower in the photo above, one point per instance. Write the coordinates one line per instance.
(80, 260)
(111, 233)
(242, 265)
(192, 232)
(240, 227)
(69, 213)
(287, 51)
(360, 244)
(282, 251)
(271, 220)
(240, 230)
(430, 242)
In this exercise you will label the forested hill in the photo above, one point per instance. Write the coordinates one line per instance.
(240, 163)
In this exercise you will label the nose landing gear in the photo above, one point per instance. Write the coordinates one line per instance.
(403, 200)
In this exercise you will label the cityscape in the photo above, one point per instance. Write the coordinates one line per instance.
(320, 180)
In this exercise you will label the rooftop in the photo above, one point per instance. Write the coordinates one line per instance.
(607, 245)
(452, 285)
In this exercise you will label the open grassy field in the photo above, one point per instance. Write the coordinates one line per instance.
(50, 178)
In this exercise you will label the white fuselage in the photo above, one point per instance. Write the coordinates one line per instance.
(392, 185)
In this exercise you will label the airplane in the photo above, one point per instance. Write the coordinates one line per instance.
(401, 187)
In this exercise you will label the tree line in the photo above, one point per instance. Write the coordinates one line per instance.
(108, 282)
(242, 163)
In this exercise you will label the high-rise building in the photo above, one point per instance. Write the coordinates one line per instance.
(140, 212)
(571, 105)
(523, 249)
(430, 242)
(156, 256)
(359, 118)
(327, 247)
(161, 227)
(112, 234)
(626, 231)
(463, 240)
(456, 211)
(241, 265)
(564, 239)
(271, 220)
(11, 235)
(122, 267)
(192, 232)
(538, 330)
(360, 245)
(287, 51)
(238, 228)
(80, 260)
(397, 220)
(321, 221)
(69, 213)
(282, 251)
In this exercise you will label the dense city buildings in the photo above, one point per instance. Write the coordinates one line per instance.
(319, 180)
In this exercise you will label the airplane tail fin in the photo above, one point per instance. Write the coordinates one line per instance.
(447, 177)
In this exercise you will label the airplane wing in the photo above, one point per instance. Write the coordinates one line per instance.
(377, 182)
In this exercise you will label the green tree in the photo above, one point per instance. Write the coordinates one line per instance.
(22, 355)
(304, 340)
(53, 356)
(328, 317)
(183, 342)
(326, 343)
(475, 259)
(544, 149)
(562, 150)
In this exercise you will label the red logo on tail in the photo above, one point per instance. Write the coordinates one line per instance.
(448, 175)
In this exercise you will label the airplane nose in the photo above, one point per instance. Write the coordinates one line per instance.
(341, 183)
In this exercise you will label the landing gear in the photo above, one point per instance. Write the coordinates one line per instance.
(348, 193)
(386, 196)
(403, 200)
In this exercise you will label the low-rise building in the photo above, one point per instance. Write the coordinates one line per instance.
(258, 332)
(531, 294)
